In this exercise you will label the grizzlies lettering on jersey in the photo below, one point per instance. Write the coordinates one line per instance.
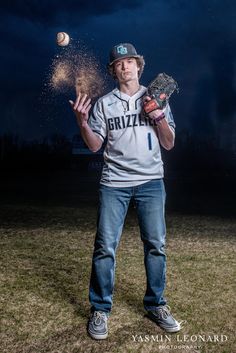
(128, 120)
(132, 153)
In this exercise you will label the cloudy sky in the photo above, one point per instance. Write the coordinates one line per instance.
(193, 41)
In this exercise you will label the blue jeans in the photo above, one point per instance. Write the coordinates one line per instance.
(149, 199)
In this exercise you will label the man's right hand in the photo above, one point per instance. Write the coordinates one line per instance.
(81, 108)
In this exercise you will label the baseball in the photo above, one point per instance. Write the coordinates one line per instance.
(63, 39)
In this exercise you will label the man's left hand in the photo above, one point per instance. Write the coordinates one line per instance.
(152, 109)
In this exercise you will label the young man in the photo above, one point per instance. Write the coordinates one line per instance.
(133, 169)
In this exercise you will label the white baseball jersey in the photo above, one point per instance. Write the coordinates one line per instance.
(132, 153)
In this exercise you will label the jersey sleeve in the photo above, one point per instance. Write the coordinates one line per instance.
(97, 121)
(169, 117)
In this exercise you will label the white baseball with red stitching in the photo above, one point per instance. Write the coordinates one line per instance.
(63, 39)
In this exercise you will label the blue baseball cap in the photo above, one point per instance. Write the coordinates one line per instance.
(121, 51)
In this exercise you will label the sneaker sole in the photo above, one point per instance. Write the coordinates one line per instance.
(98, 337)
(170, 329)
(167, 329)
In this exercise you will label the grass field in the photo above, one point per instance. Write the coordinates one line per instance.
(45, 268)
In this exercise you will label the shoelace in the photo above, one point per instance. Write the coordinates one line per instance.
(163, 312)
(182, 323)
(98, 317)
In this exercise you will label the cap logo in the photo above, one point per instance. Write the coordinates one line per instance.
(121, 50)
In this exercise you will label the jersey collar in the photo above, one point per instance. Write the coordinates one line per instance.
(126, 97)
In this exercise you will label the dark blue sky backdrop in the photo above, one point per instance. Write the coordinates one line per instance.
(194, 41)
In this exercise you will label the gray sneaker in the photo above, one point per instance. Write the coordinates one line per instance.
(97, 325)
(162, 317)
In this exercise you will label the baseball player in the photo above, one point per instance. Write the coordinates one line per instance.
(133, 169)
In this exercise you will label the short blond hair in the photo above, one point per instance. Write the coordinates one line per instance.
(140, 63)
